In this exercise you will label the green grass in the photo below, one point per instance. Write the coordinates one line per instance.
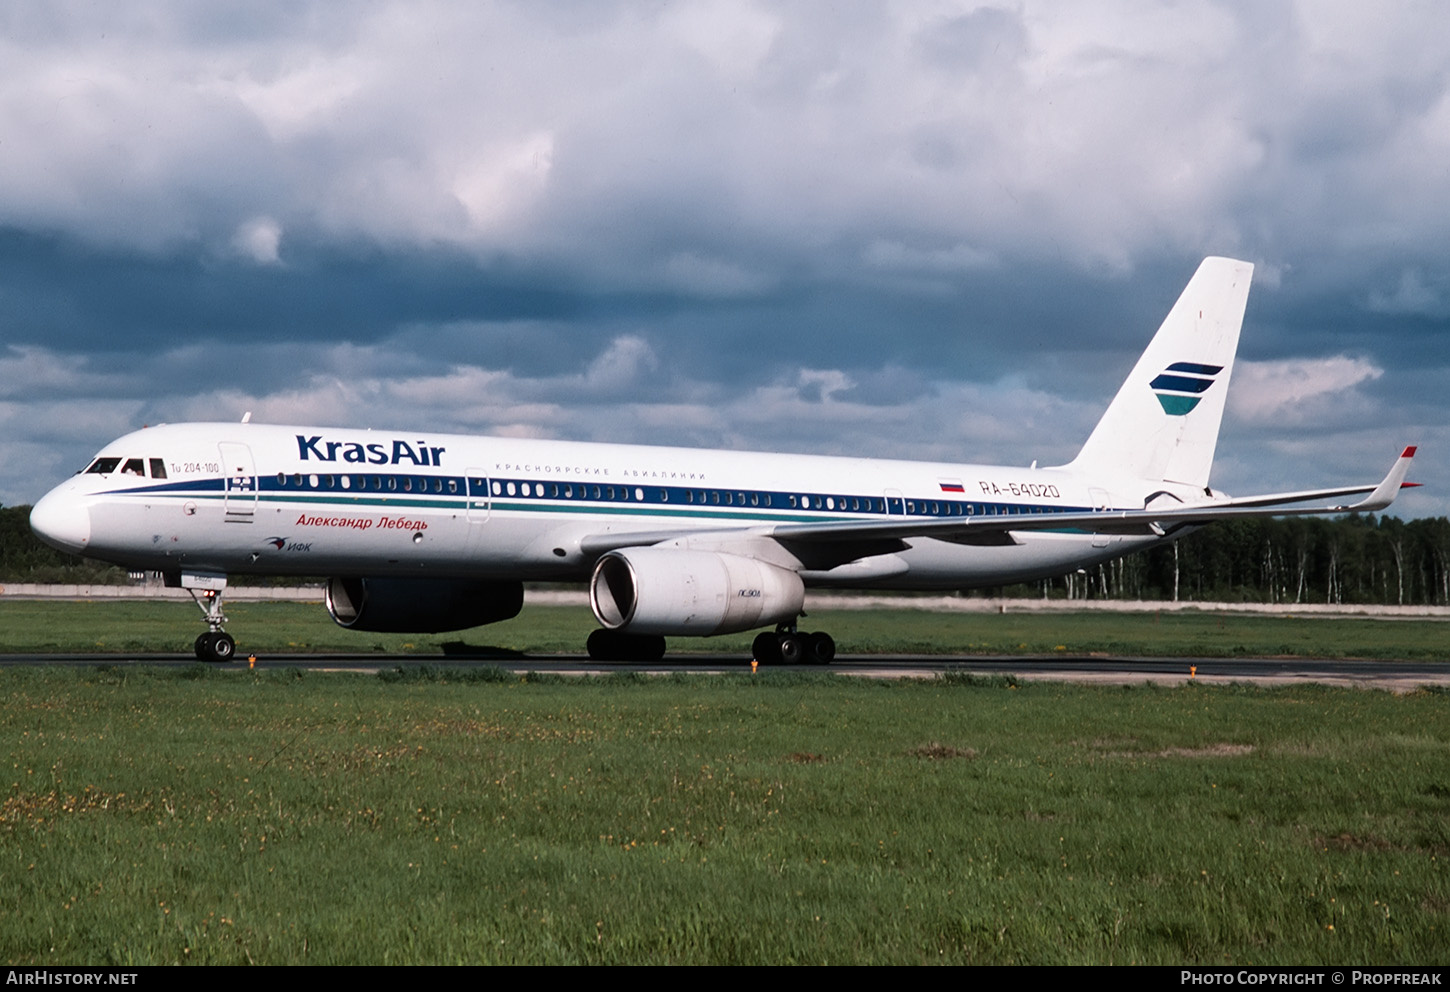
(119, 627)
(229, 817)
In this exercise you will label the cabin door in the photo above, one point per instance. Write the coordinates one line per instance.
(239, 482)
(1101, 500)
(478, 496)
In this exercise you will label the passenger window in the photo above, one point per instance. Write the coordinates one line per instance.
(452, 486)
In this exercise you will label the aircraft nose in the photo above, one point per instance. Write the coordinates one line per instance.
(60, 519)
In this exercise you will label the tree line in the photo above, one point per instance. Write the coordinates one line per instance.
(1349, 559)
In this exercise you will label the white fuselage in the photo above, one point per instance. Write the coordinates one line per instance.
(265, 499)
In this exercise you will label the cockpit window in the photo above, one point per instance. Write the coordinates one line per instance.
(158, 468)
(103, 466)
(134, 466)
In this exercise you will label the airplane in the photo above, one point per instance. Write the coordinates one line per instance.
(428, 533)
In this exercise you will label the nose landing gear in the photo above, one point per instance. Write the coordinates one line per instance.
(216, 645)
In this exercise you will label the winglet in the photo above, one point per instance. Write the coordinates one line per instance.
(1385, 493)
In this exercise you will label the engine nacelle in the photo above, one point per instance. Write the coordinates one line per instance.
(674, 591)
(421, 606)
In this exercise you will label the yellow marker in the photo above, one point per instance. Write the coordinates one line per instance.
(251, 662)
(1193, 671)
(753, 665)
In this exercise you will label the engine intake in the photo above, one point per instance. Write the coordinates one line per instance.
(420, 606)
(673, 591)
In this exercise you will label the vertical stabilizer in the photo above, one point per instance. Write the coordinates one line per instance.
(1163, 424)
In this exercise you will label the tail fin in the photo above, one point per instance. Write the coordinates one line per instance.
(1163, 424)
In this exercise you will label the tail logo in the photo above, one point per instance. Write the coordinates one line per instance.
(1181, 385)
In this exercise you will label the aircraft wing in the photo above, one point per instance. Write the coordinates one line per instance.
(884, 534)
(1146, 521)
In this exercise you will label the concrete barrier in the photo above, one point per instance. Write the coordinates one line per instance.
(814, 600)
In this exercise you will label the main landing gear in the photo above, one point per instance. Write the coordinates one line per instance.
(783, 646)
(786, 646)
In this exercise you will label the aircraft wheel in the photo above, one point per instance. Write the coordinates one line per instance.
(216, 646)
(766, 648)
(820, 648)
(791, 648)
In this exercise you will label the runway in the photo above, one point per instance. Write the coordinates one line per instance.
(1395, 676)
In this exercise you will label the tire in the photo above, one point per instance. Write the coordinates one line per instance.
(791, 648)
(603, 645)
(820, 648)
(766, 648)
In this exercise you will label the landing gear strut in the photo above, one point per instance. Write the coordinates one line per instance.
(787, 646)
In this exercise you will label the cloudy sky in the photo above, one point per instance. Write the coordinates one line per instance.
(930, 229)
